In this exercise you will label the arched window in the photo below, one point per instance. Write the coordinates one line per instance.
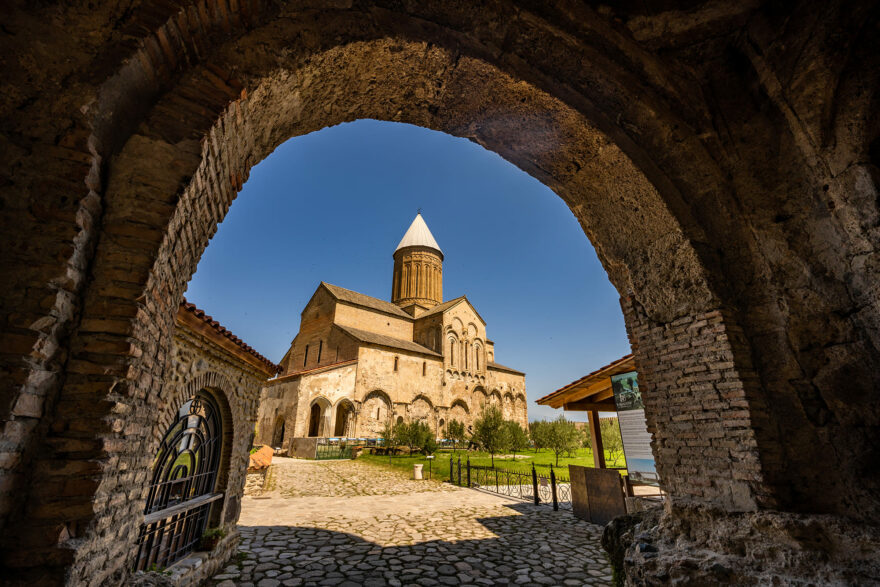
(182, 489)
(320, 350)
(451, 352)
(305, 356)
(465, 353)
(477, 351)
(395, 364)
(424, 368)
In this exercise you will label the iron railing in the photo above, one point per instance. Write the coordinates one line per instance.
(551, 488)
(333, 448)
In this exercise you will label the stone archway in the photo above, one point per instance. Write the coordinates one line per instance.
(319, 413)
(278, 432)
(747, 276)
(343, 419)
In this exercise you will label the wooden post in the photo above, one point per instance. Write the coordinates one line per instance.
(596, 440)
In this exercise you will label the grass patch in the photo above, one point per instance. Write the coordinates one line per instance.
(542, 460)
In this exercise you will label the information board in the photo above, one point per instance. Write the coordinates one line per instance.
(634, 429)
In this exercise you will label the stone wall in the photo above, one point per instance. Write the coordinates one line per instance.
(199, 362)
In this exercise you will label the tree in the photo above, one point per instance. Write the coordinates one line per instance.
(611, 439)
(429, 445)
(562, 437)
(415, 435)
(455, 430)
(490, 432)
(538, 431)
(388, 436)
(586, 439)
(517, 439)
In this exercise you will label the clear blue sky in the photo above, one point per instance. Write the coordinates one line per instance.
(333, 205)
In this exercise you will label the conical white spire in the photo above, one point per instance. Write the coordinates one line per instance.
(418, 235)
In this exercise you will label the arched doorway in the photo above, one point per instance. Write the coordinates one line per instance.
(278, 432)
(316, 420)
(344, 416)
(183, 486)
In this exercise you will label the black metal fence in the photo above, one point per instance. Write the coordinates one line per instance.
(552, 488)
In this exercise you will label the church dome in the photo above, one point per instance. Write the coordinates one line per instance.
(418, 235)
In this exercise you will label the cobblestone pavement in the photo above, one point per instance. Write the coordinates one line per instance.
(349, 523)
(343, 479)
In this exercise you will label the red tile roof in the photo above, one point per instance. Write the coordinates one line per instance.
(223, 331)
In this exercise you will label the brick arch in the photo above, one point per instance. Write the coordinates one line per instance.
(165, 156)
(662, 165)
(211, 380)
(218, 386)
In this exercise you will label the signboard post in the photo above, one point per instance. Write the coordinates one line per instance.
(634, 429)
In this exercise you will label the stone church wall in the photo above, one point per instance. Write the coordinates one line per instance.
(512, 389)
(376, 371)
(316, 326)
(374, 321)
(278, 402)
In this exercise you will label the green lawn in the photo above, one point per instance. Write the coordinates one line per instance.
(542, 461)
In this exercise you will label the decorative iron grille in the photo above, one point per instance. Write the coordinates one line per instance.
(181, 490)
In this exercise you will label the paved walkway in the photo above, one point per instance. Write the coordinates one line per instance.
(350, 523)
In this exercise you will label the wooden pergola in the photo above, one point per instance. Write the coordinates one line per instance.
(593, 394)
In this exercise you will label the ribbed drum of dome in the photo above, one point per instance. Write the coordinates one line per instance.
(418, 268)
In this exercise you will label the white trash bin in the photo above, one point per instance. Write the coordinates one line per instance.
(417, 471)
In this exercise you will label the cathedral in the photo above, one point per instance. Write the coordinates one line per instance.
(359, 362)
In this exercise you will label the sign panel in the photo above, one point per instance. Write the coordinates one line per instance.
(634, 429)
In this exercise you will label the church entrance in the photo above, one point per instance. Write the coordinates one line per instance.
(343, 415)
(278, 433)
(316, 417)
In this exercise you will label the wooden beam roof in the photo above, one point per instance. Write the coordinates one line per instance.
(594, 388)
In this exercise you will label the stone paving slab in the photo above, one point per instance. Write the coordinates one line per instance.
(416, 533)
(301, 478)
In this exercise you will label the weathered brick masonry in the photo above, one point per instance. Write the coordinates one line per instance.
(705, 422)
(206, 357)
(722, 157)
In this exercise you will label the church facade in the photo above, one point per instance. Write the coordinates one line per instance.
(359, 362)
